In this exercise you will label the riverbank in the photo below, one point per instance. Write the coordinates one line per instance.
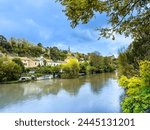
(13, 82)
(45, 77)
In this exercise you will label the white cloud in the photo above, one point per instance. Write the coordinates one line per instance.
(87, 34)
(119, 42)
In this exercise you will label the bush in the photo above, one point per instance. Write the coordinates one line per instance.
(124, 81)
(137, 90)
(145, 73)
(70, 69)
(132, 91)
(133, 82)
(20, 63)
(9, 70)
(136, 104)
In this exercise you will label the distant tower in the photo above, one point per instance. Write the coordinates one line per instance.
(69, 51)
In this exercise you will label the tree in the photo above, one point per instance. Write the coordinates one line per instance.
(39, 45)
(20, 63)
(96, 61)
(138, 50)
(137, 90)
(5, 44)
(57, 54)
(145, 73)
(83, 67)
(55, 70)
(3, 40)
(125, 16)
(9, 70)
(71, 69)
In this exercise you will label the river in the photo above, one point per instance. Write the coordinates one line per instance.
(95, 93)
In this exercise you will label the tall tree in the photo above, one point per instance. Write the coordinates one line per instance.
(125, 16)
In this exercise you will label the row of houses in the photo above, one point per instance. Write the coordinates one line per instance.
(40, 61)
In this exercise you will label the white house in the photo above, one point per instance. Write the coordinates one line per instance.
(40, 61)
(52, 63)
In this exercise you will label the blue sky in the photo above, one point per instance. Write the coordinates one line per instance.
(43, 21)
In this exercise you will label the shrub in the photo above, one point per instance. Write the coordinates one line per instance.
(145, 73)
(9, 70)
(124, 81)
(136, 104)
(70, 69)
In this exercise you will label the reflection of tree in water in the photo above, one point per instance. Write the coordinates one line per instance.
(72, 86)
(98, 80)
(10, 94)
(13, 93)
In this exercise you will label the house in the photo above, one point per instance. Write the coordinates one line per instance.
(41, 61)
(29, 63)
(52, 63)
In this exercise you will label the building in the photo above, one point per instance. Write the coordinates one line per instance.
(52, 63)
(29, 63)
(41, 61)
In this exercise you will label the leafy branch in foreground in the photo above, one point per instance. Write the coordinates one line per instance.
(129, 17)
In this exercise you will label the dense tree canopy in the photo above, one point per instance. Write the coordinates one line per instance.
(4, 44)
(71, 69)
(57, 54)
(128, 60)
(125, 16)
(20, 63)
(9, 70)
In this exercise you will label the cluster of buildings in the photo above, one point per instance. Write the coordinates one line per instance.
(40, 61)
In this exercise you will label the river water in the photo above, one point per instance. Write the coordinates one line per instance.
(95, 93)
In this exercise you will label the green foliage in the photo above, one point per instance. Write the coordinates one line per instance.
(132, 91)
(96, 61)
(126, 16)
(90, 69)
(137, 90)
(19, 62)
(124, 81)
(83, 67)
(145, 73)
(134, 82)
(55, 70)
(124, 68)
(39, 45)
(57, 54)
(44, 70)
(4, 44)
(100, 64)
(128, 60)
(9, 70)
(71, 69)
(136, 104)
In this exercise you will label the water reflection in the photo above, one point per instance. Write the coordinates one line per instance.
(95, 93)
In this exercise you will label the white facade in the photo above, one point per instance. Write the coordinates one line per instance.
(40, 61)
(51, 63)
